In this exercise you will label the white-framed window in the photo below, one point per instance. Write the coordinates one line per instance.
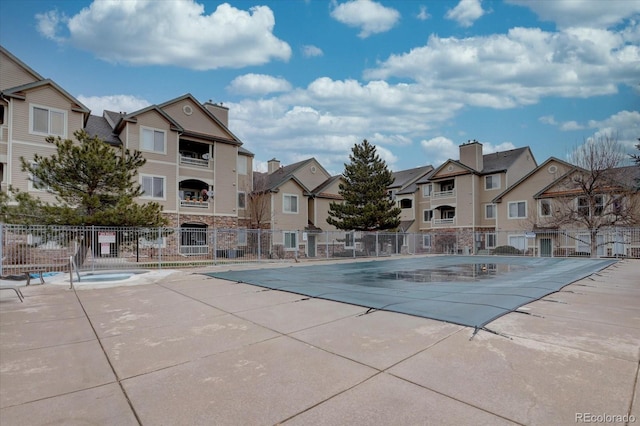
(492, 182)
(242, 165)
(584, 209)
(349, 240)
(289, 203)
(35, 184)
(517, 209)
(427, 190)
(518, 241)
(489, 211)
(427, 215)
(153, 186)
(242, 200)
(290, 240)
(153, 140)
(545, 208)
(490, 239)
(242, 236)
(47, 121)
(426, 240)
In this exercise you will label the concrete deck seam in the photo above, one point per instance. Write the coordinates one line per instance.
(633, 393)
(115, 374)
(57, 395)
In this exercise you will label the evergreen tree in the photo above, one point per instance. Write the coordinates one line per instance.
(93, 184)
(366, 206)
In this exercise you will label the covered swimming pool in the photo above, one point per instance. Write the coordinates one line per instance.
(466, 290)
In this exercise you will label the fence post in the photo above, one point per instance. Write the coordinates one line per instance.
(327, 243)
(159, 248)
(259, 244)
(1, 247)
(215, 246)
(93, 247)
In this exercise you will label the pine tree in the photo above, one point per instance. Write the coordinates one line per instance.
(94, 184)
(366, 205)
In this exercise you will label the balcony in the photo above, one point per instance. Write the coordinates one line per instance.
(444, 222)
(443, 194)
(194, 161)
(194, 203)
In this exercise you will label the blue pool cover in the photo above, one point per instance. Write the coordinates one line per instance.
(465, 290)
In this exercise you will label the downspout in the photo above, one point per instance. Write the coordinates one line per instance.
(9, 138)
(473, 214)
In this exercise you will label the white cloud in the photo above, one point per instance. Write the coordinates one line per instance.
(466, 12)
(548, 119)
(518, 68)
(624, 125)
(49, 23)
(370, 16)
(310, 51)
(583, 13)
(438, 150)
(423, 15)
(178, 33)
(571, 125)
(118, 103)
(258, 84)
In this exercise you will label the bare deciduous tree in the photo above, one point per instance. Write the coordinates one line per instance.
(598, 193)
(259, 201)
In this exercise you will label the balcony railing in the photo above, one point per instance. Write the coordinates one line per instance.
(444, 194)
(194, 203)
(190, 161)
(448, 221)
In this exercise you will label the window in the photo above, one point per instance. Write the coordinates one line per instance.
(152, 140)
(518, 241)
(492, 182)
(517, 210)
(405, 203)
(349, 240)
(1, 114)
(242, 165)
(545, 208)
(290, 203)
(427, 190)
(153, 186)
(48, 121)
(426, 241)
(427, 215)
(242, 200)
(584, 209)
(290, 240)
(490, 211)
(490, 240)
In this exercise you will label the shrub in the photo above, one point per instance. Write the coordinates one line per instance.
(506, 250)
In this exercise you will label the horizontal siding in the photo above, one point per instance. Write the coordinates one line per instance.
(198, 121)
(13, 75)
(225, 183)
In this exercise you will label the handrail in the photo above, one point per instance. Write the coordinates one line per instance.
(72, 263)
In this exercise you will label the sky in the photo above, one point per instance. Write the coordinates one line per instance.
(311, 78)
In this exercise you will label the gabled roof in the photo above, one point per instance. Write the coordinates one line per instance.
(501, 160)
(206, 112)
(18, 92)
(282, 175)
(131, 118)
(454, 162)
(498, 199)
(26, 67)
(403, 178)
(318, 191)
(625, 176)
(100, 127)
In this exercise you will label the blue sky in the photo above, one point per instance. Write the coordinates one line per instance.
(312, 78)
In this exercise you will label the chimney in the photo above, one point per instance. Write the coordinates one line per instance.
(471, 155)
(273, 165)
(219, 111)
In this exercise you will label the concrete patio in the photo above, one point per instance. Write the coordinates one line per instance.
(194, 350)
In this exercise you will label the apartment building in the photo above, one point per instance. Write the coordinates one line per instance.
(457, 197)
(295, 200)
(196, 168)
